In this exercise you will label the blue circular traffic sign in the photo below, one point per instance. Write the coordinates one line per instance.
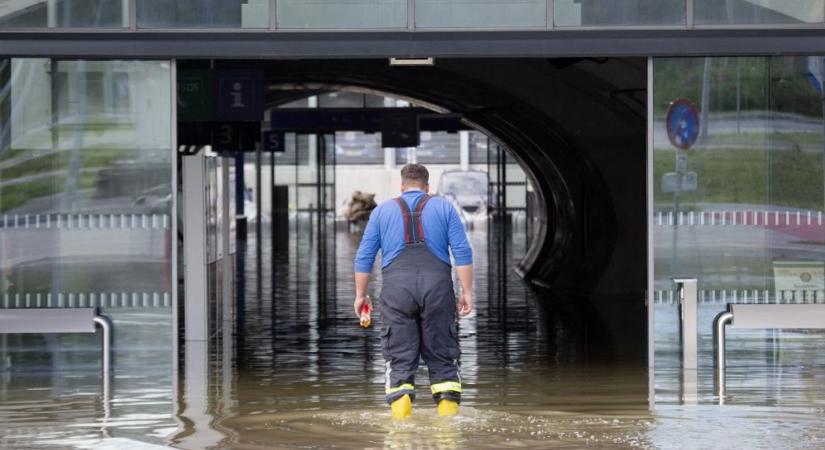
(682, 122)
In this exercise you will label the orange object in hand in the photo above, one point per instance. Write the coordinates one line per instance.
(365, 315)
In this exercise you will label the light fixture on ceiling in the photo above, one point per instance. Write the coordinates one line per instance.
(412, 61)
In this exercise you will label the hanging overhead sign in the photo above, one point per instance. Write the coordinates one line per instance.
(239, 95)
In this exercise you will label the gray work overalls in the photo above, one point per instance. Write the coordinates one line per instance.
(418, 315)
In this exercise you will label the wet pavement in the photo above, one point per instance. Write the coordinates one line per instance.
(303, 374)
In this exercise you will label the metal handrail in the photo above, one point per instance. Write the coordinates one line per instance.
(719, 326)
(765, 316)
(105, 326)
(61, 320)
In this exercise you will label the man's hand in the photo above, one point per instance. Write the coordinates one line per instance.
(361, 281)
(465, 303)
(359, 303)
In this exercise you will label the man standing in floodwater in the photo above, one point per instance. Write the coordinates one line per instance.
(416, 233)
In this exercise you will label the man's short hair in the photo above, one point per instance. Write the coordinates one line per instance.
(415, 173)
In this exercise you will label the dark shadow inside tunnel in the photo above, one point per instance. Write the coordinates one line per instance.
(577, 127)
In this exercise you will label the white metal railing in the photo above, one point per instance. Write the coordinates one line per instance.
(743, 296)
(739, 217)
(87, 300)
(85, 221)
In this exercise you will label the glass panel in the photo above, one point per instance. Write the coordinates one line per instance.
(357, 148)
(85, 205)
(404, 155)
(480, 13)
(712, 12)
(741, 210)
(203, 13)
(439, 147)
(300, 103)
(341, 100)
(342, 14)
(478, 148)
(64, 14)
(594, 13)
(307, 171)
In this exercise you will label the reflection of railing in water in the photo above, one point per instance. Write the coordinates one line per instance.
(85, 221)
(88, 300)
(744, 296)
(752, 218)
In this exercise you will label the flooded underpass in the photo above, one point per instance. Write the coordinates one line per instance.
(306, 376)
(302, 375)
(575, 340)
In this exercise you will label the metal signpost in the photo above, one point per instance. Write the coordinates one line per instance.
(683, 125)
(816, 75)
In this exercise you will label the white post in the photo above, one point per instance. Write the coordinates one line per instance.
(464, 149)
(389, 158)
(194, 248)
(195, 402)
(688, 312)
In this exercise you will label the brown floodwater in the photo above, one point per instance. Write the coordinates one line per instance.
(303, 374)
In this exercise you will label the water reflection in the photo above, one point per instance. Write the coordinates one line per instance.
(306, 376)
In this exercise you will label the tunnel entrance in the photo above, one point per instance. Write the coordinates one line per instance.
(561, 276)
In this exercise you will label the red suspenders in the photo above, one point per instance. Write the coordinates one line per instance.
(413, 226)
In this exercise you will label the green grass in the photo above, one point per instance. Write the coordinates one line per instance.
(90, 157)
(14, 196)
(788, 178)
(12, 152)
(813, 140)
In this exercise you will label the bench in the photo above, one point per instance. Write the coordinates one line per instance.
(752, 316)
(59, 320)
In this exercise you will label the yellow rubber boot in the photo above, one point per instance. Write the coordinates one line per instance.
(401, 408)
(447, 408)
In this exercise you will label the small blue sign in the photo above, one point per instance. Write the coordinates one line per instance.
(273, 141)
(238, 95)
(816, 72)
(682, 122)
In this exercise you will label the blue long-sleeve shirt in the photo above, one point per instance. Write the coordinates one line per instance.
(443, 232)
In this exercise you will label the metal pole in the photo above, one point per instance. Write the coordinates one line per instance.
(272, 222)
(822, 97)
(719, 325)
(259, 216)
(738, 95)
(226, 260)
(195, 279)
(106, 326)
(705, 100)
(687, 295)
(464, 150)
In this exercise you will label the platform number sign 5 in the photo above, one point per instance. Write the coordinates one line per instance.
(273, 141)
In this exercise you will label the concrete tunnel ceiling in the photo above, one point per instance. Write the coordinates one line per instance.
(565, 121)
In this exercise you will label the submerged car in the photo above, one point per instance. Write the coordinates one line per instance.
(468, 190)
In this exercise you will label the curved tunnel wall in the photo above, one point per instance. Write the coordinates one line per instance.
(577, 128)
